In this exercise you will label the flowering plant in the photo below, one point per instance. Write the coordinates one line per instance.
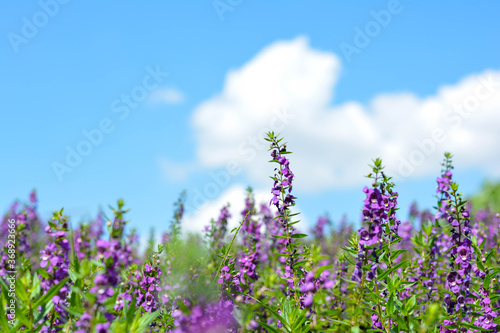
(436, 271)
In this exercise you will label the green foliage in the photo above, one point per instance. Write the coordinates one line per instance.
(488, 197)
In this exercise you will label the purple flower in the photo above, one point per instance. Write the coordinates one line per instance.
(149, 286)
(308, 301)
(366, 238)
(120, 300)
(216, 232)
(454, 281)
(318, 229)
(463, 256)
(376, 323)
(108, 253)
(217, 317)
(102, 328)
(55, 260)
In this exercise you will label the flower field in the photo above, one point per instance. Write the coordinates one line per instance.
(436, 272)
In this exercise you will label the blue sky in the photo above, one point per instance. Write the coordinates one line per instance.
(70, 75)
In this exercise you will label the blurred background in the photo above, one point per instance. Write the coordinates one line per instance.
(142, 100)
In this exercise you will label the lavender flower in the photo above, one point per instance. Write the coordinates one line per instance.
(108, 253)
(28, 240)
(55, 260)
(319, 228)
(283, 200)
(147, 294)
(216, 318)
(216, 232)
(309, 285)
(83, 324)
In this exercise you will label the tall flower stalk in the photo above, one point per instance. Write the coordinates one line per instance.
(464, 249)
(374, 250)
(252, 242)
(283, 200)
(55, 262)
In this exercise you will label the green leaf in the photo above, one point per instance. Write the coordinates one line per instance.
(269, 328)
(467, 325)
(146, 320)
(35, 288)
(43, 273)
(339, 322)
(392, 269)
(129, 312)
(51, 293)
(299, 235)
(3, 317)
(73, 275)
(300, 321)
(76, 300)
(287, 311)
(97, 263)
(21, 292)
(321, 269)
(273, 312)
(278, 236)
(410, 304)
(45, 311)
(299, 263)
(396, 253)
(390, 305)
(390, 287)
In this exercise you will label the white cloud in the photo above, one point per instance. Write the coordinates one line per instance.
(167, 96)
(175, 171)
(234, 195)
(333, 144)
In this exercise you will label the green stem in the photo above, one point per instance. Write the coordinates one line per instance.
(386, 327)
(229, 248)
(361, 288)
(285, 220)
(52, 318)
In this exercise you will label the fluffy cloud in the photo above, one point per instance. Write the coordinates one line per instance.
(288, 87)
(174, 171)
(234, 195)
